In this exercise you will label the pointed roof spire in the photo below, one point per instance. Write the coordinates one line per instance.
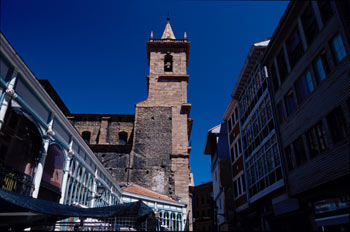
(168, 31)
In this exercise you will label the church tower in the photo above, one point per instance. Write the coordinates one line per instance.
(159, 159)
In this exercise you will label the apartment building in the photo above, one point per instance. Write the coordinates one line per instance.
(216, 145)
(309, 67)
(261, 159)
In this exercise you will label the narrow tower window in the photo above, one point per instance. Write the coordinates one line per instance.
(86, 136)
(123, 136)
(168, 63)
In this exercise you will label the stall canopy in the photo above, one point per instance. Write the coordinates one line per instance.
(24, 209)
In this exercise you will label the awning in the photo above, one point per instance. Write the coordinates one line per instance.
(13, 204)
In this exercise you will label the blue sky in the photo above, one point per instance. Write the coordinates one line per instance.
(94, 52)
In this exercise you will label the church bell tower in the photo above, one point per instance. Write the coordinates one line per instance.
(160, 157)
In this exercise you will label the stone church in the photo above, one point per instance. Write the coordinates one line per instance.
(150, 148)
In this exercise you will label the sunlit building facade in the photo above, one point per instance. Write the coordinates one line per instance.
(42, 154)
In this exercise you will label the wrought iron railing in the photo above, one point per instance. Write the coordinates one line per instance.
(15, 181)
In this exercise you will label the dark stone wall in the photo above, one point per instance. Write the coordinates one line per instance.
(116, 164)
(115, 158)
(150, 160)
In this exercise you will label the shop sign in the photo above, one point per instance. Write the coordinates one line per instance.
(331, 204)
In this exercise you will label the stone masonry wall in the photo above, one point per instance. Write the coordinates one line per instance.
(150, 159)
(104, 129)
(116, 163)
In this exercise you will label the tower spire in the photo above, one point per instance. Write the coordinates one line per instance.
(168, 31)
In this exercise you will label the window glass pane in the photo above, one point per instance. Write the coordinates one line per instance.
(281, 112)
(290, 102)
(273, 75)
(338, 48)
(299, 151)
(235, 188)
(236, 113)
(262, 114)
(232, 155)
(239, 146)
(310, 85)
(236, 152)
(321, 66)
(309, 23)
(337, 124)
(321, 136)
(326, 10)
(276, 156)
(294, 47)
(5, 69)
(312, 142)
(268, 107)
(304, 87)
(239, 185)
(282, 65)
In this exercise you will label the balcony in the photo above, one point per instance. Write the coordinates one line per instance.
(12, 180)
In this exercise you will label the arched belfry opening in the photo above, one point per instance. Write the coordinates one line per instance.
(168, 63)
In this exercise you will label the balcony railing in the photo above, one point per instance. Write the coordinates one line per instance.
(12, 180)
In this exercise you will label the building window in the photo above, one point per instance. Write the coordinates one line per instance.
(232, 154)
(294, 47)
(123, 137)
(281, 112)
(5, 69)
(273, 75)
(304, 87)
(299, 151)
(233, 119)
(309, 23)
(326, 10)
(236, 150)
(312, 142)
(317, 140)
(321, 136)
(239, 146)
(268, 107)
(168, 63)
(236, 114)
(86, 136)
(20, 144)
(238, 186)
(321, 67)
(337, 124)
(282, 65)
(229, 125)
(263, 168)
(338, 48)
(290, 102)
